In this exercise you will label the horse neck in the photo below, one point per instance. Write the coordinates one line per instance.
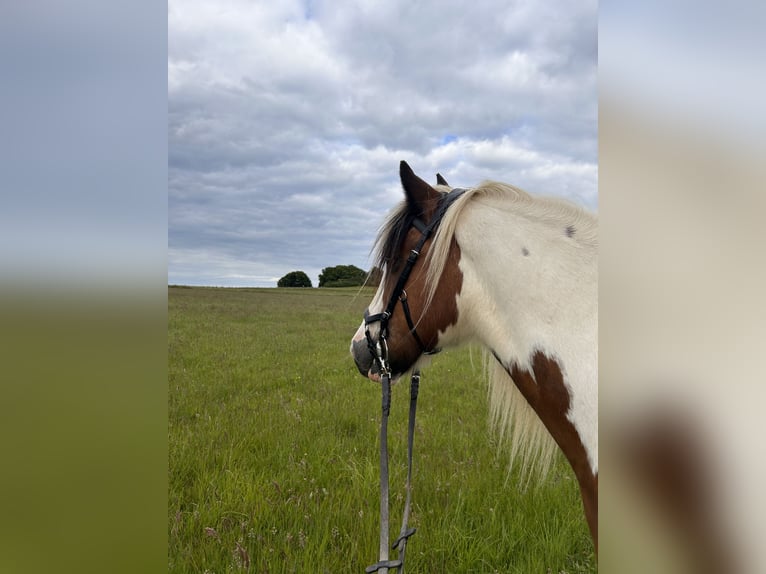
(528, 286)
(530, 291)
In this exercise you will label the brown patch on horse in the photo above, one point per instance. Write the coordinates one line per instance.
(442, 313)
(546, 393)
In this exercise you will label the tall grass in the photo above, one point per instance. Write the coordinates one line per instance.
(273, 450)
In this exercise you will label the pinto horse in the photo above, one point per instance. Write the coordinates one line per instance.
(516, 274)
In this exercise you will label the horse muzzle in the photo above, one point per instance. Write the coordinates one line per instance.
(364, 361)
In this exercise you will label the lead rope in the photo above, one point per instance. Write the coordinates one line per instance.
(400, 544)
(405, 533)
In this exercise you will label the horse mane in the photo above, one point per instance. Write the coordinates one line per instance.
(516, 425)
(551, 210)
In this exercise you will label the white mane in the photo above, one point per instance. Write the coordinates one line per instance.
(552, 210)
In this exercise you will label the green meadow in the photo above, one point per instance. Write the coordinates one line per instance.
(273, 450)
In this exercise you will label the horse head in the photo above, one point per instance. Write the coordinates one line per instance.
(412, 307)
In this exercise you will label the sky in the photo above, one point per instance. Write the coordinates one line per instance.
(287, 121)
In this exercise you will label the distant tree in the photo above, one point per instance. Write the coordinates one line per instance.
(342, 276)
(295, 279)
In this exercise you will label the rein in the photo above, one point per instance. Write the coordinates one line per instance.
(379, 351)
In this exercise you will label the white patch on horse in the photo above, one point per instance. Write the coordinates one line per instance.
(549, 305)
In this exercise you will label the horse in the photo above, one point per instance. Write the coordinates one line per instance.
(516, 274)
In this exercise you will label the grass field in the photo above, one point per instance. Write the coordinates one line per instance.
(273, 450)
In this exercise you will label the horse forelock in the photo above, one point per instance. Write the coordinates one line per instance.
(392, 235)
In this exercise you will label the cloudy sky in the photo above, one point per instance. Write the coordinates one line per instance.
(287, 120)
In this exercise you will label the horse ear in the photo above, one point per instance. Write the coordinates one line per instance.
(440, 180)
(417, 191)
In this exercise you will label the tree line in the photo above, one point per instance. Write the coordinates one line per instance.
(338, 276)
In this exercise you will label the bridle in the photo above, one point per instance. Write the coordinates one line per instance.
(379, 351)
